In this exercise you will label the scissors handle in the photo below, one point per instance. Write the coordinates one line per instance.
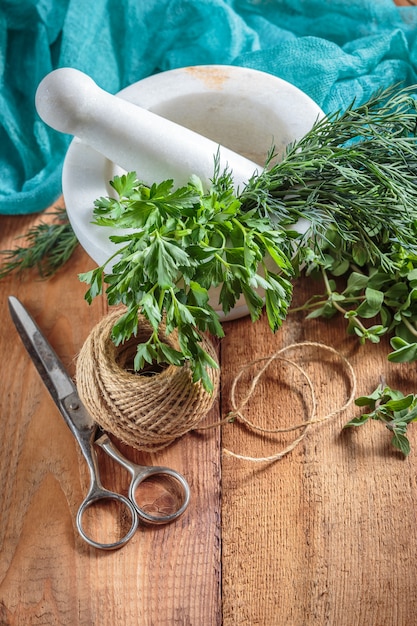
(98, 498)
(176, 485)
(123, 512)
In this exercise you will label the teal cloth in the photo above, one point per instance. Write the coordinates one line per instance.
(334, 50)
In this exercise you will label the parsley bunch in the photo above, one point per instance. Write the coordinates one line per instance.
(183, 242)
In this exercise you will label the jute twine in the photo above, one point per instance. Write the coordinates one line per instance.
(237, 409)
(147, 410)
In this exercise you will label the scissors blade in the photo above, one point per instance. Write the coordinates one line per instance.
(50, 368)
(55, 377)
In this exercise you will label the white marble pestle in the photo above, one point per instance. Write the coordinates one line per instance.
(130, 136)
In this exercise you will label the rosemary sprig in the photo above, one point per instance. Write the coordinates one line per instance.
(48, 247)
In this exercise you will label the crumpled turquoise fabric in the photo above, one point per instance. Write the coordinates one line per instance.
(334, 50)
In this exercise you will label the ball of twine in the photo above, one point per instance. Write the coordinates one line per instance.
(149, 409)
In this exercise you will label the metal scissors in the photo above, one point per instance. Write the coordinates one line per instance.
(88, 434)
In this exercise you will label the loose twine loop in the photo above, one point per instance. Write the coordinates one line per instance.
(236, 412)
(149, 410)
(146, 410)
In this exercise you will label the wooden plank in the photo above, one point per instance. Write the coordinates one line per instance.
(164, 576)
(327, 534)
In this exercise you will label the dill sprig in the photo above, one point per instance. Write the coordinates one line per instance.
(354, 174)
(48, 247)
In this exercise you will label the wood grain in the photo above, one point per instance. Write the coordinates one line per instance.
(326, 535)
(48, 576)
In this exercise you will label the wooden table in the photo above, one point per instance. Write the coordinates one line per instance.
(325, 536)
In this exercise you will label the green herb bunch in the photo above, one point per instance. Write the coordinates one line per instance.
(352, 183)
(351, 180)
(375, 301)
(393, 409)
(353, 177)
(183, 242)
